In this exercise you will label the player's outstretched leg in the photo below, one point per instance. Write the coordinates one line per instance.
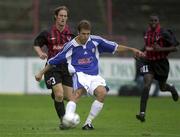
(96, 107)
(143, 104)
(60, 109)
(148, 78)
(171, 88)
(95, 110)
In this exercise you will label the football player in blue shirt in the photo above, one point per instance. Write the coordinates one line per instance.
(82, 55)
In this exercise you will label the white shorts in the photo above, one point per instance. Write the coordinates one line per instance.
(89, 82)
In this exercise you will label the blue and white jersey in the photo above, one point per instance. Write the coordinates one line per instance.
(84, 58)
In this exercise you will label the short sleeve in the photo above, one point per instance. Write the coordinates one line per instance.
(62, 56)
(106, 46)
(169, 37)
(41, 39)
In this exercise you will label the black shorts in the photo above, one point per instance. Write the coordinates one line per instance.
(159, 68)
(58, 74)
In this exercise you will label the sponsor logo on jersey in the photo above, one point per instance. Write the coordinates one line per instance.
(85, 60)
(69, 38)
(93, 50)
(158, 37)
(57, 47)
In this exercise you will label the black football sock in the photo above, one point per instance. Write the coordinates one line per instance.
(144, 99)
(60, 109)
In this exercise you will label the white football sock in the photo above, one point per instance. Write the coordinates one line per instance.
(96, 107)
(70, 107)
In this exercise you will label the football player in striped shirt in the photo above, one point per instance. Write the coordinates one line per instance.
(57, 79)
(159, 42)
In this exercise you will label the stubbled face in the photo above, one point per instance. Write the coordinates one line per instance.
(84, 35)
(153, 22)
(61, 18)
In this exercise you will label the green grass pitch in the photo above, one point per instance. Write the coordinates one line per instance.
(34, 116)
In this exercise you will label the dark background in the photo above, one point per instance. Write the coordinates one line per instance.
(21, 21)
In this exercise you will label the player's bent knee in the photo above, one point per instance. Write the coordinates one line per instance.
(100, 95)
(59, 96)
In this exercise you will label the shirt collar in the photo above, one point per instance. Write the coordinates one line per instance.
(55, 28)
(156, 30)
(76, 44)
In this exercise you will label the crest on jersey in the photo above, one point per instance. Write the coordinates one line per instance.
(69, 38)
(157, 37)
(93, 50)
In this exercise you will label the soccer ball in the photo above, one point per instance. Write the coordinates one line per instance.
(71, 120)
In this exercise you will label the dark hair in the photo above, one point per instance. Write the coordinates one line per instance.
(56, 10)
(84, 24)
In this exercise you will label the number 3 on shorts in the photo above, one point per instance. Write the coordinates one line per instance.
(53, 81)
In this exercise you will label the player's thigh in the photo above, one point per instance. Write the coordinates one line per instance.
(148, 79)
(58, 90)
(161, 70)
(52, 78)
(67, 79)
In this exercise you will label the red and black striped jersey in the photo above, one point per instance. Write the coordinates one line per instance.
(158, 36)
(53, 39)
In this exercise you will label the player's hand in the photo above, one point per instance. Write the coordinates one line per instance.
(156, 47)
(138, 53)
(38, 76)
(43, 56)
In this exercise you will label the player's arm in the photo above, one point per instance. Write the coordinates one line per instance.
(39, 42)
(40, 52)
(58, 59)
(112, 47)
(39, 75)
(51, 62)
(172, 44)
(156, 47)
(136, 52)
